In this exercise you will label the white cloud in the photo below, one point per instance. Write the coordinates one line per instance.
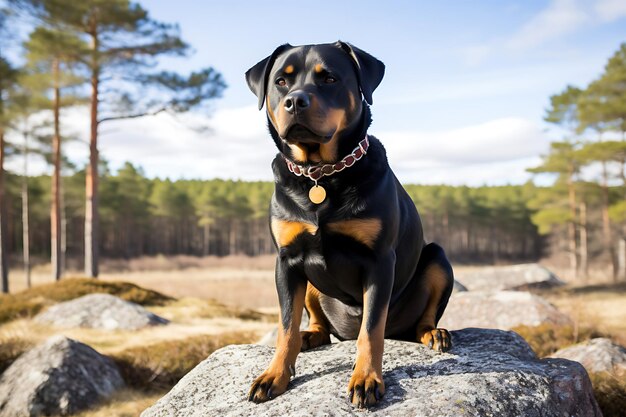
(561, 17)
(239, 147)
(610, 10)
(495, 152)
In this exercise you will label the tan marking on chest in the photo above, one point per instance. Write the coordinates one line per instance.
(286, 231)
(365, 231)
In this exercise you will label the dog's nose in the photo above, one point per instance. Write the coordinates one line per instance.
(296, 101)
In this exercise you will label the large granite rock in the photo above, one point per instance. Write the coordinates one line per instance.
(511, 277)
(59, 377)
(596, 355)
(487, 373)
(499, 310)
(99, 311)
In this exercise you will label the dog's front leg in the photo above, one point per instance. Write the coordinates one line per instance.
(291, 288)
(366, 386)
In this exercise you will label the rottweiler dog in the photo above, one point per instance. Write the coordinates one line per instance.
(351, 248)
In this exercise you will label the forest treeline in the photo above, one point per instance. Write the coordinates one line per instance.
(143, 216)
(104, 55)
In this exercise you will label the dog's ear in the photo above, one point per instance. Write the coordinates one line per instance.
(257, 75)
(369, 69)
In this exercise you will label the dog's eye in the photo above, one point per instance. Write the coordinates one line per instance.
(281, 82)
(330, 79)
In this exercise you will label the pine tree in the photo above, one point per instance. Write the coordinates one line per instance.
(123, 44)
(52, 56)
(563, 160)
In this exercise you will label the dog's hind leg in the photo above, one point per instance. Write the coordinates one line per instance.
(438, 281)
(318, 333)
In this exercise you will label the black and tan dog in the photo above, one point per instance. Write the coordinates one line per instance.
(350, 241)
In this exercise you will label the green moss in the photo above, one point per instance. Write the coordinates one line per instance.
(29, 302)
(160, 366)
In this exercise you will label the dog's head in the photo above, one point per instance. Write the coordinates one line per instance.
(314, 96)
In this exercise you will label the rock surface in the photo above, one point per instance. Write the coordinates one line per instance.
(499, 310)
(487, 373)
(596, 355)
(59, 377)
(511, 277)
(99, 311)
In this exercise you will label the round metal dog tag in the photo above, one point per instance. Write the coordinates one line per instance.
(317, 194)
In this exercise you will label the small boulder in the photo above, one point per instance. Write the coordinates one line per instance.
(59, 377)
(458, 287)
(487, 373)
(596, 355)
(521, 277)
(99, 311)
(499, 310)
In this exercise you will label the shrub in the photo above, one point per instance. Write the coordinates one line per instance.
(29, 302)
(160, 366)
(10, 349)
(68, 289)
(12, 307)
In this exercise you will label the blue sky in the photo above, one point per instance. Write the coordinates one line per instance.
(462, 100)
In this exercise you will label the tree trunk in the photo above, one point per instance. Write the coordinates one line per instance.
(584, 252)
(232, 238)
(606, 221)
(571, 228)
(207, 239)
(25, 220)
(55, 212)
(621, 259)
(4, 267)
(91, 182)
(63, 254)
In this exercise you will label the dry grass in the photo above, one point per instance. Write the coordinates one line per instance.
(247, 288)
(547, 338)
(610, 392)
(161, 365)
(233, 280)
(184, 262)
(124, 403)
(601, 307)
(10, 349)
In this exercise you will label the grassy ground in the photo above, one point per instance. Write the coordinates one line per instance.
(152, 359)
(216, 301)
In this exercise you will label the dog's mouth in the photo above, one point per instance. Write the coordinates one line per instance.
(308, 141)
(302, 134)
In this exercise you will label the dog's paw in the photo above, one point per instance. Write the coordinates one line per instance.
(366, 387)
(437, 339)
(269, 385)
(313, 339)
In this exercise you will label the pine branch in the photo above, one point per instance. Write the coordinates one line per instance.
(132, 116)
